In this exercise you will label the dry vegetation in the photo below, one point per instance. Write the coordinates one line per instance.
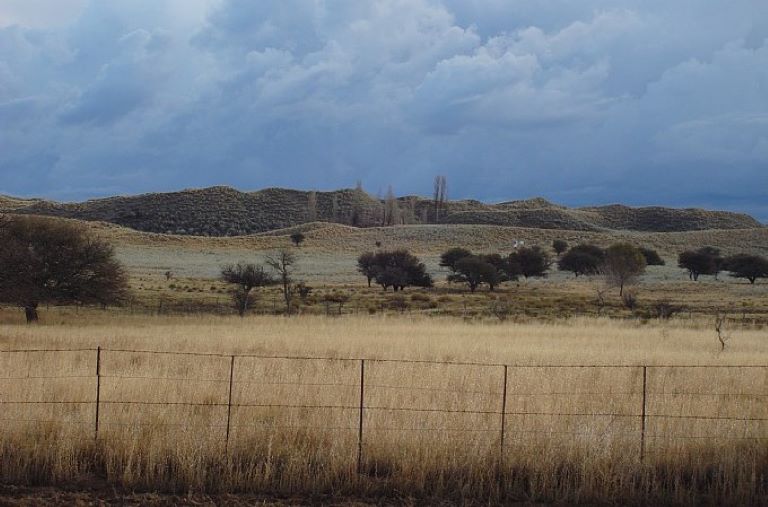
(225, 211)
(423, 454)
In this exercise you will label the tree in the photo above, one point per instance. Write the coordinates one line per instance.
(475, 270)
(391, 208)
(747, 266)
(283, 263)
(366, 264)
(50, 261)
(450, 257)
(717, 258)
(397, 269)
(440, 195)
(312, 206)
(652, 257)
(247, 277)
(559, 246)
(623, 264)
(582, 260)
(530, 262)
(297, 238)
(704, 261)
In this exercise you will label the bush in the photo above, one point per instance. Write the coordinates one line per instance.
(559, 246)
(652, 257)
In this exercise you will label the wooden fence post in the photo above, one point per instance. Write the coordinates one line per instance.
(98, 391)
(229, 401)
(643, 414)
(360, 422)
(503, 416)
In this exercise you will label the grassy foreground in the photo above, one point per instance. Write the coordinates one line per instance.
(432, 431)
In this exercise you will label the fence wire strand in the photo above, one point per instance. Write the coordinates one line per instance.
(516, 432)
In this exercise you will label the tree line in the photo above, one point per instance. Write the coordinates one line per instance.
(621, 264)
(53, 261)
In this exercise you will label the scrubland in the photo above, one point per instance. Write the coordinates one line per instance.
(571, 418)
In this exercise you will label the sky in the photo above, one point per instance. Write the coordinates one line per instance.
(641, 102)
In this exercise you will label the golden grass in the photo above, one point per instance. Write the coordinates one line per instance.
(442, 441)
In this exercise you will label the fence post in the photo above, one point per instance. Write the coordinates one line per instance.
(229, 401)
(643, 414)
(98, 391)
(503, 416)
(500, 462)
(360, 422)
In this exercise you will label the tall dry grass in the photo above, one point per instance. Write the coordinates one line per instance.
(430, 430)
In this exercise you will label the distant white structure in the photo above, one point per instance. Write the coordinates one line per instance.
(518, 243)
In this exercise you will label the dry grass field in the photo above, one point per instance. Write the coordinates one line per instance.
(431, 431)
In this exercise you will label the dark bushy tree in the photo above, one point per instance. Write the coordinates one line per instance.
(397, 269)
(559, 246)
(529, 262)
(704, 261)
(247, 277)
(298, 238)
(623, 264)
(450, 257)
(582, 260)
(747, 266)
(475, 270)
(50, 261)
(652, 257)
(366, 265)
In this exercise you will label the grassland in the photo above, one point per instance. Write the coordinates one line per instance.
(421, 455)
(425, 454)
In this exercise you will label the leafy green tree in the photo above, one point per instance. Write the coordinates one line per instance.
(582, 260)
(45, 260)
(623, 265)
(747, 266)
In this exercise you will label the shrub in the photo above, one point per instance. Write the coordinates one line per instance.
(559, 246)
(652, 257)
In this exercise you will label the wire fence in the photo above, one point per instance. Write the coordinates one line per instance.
(640, 408)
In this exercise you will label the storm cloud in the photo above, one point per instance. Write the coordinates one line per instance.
(642, 102)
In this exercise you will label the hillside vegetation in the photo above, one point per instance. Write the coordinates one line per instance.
(224, 211)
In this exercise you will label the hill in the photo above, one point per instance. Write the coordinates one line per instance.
(224, 211)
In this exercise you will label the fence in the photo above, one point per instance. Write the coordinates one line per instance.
(639, 408)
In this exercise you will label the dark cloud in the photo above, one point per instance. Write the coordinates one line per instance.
(637, 101)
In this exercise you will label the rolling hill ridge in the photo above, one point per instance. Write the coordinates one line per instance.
(225, 211)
